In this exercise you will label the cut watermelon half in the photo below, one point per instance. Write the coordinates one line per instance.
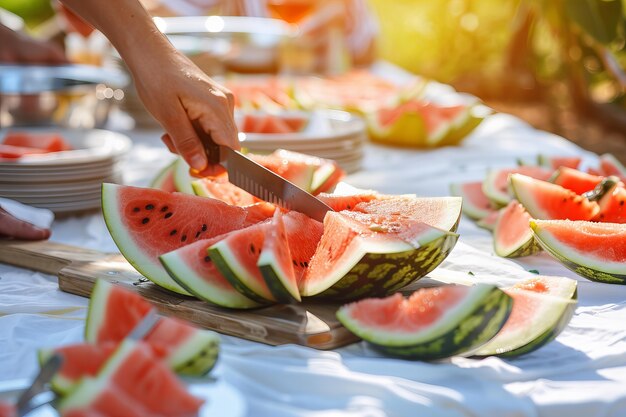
(578, 181)
(433, 323)
(133, 383)
(114, 312)
(542, 308)
(610, 165)
(221, 189)
(146, 223)
(476, 205)
(512, 236)
(596, 251)
(165, 179)
(546, 201)
(192, 267)
(496, 183)
(275, 262)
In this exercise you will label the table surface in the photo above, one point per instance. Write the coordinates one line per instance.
(581, 373)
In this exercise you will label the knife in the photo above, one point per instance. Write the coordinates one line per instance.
(25, 403)
(260, 181)
(147, 323)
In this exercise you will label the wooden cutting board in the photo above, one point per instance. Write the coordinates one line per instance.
(307, 324)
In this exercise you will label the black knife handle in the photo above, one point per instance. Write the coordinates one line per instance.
(211, 149)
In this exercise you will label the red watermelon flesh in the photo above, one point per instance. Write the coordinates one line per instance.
(297, 172)
(296, 123)
(547, 201)
(578, 181)
(498, 181)
(271, 124)
(221, 189)
(168, 184)
(146, 223)
(7, 409)
(613, 206)
(14, 152)
(556, 162)
(133, 383)
(326, 172)
(612, 166)
(303, 236)
(512, 236)
(48, 142)
(258, 212)
(347, 202)
(476, 205)
(397, 313)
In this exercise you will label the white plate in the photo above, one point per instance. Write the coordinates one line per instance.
(90, 146)
(33, 178)
(60, 187)
(220, 398)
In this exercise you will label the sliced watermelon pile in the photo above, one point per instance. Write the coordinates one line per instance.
(247, 257)
(17, 144)
(109, 374)
(273, 123)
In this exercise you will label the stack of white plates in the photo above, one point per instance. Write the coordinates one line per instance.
(329, 134)
(68, 181)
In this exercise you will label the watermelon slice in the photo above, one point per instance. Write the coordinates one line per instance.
(79, 361)
(578, 181)
(596, 251)
(476, 205)
(542, 308)
(221, 189)
(15, 152)
(114, 312)
(146, 223)
(496, 183)
(133, 383)
(348, 202)
(258, 212)
(303, 236)
(298, 172)
(275, 262)
(556, 162)
(182, 178)
(610, 165)
(612, 203)
(236, 257)
(326, 172)
(47, 142)
(433, 323)
(165, 179)
(489, 222)
(192, 267)
(512, 237)
(546, 201)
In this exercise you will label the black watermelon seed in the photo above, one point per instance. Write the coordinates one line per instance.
(252, 248)
(136, 209)
(168, 215)
(145, 220)
(164, 208)
(602, 216)
(348, 206)
(149, 206)
(197, 234)
(173, 232)
(621, 203)
(564, 200)
(204, 227)
(207, 258)
(183, 238)
(295, 263)
(306, 264)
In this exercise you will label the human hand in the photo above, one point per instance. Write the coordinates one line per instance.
(13, 227)
(21, 49)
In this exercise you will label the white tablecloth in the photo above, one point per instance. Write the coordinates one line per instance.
(582, 373)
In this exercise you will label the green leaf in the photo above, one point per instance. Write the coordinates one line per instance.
(598, 18)
(533, 271)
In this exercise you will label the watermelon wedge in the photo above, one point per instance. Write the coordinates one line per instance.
(610, 165)
(348, 202)
(165, 179)
(476, 205)
(612, 202)
(546, 201)
(221, 189)
(133, 383)
(556, 162)
(192, 268)
(297, 172)
(275, 262)
(596, 251)
(182, 178)
(114, 312)
(14, 152)
(578, 181)
(146, 223)
(47, 142)
(542, 308)
(496, 183)
(489, 222)
(512, 236)
(326, 172)
(433, 323)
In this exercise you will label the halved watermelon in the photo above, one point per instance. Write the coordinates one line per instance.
(165, 179)
(47, 142)
(146, 223)
(221, 189)
(433, 323)
(115, 311)
(512, 236)
(192, 268)
(133, 383)
(596, 251)
(496, 183)
(78, 361)
(578, 181)
(476, 205)
(542, 308)
(546, 201)
(612, 203)
(610, 165)
(275, 262)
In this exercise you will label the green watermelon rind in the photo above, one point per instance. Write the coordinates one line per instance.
(200, 190)
(380, 271)
(464, 328)
(96, 310)
(194, 284)
(497, 198)
(58, 383)
(525, 246)
(182, 179)
(124, 241)
(157, 182)
(562, 310)
(594, 270)
(276, 279)
(468, 209)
